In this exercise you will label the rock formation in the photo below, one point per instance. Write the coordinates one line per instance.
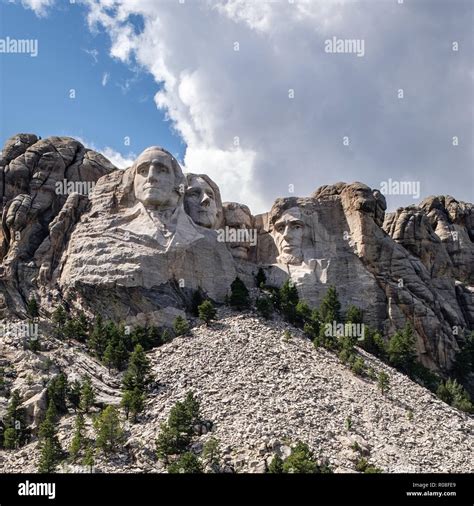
(262, 392)
(146, 239)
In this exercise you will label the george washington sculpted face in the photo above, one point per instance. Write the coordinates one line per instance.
(156, 180)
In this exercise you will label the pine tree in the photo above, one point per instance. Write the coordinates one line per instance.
(50, 448)
(49, 456)
(330, 307)
(87, 396)
(187, 463)
(133, 401)
(288, 299)
(10, 438)
(211, 453)
(303, 312)
(175, 435)
(276, 465)
(354, 315)
(180, 326)
(57, 392)
(260, 278)
(264, 306)
(16, 432)
(239, 295)
(207, 311)
(88, 459)
(301, 460)
(78, 438)
(109, 430)
(32, 308)
(138, 372)
(59, 316)
(401, 350)
(383, 382)
(97, 341)
(74, 394)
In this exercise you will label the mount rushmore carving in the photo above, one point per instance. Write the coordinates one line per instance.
(147, 238)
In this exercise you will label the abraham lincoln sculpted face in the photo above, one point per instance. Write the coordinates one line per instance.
(157, 179)
(288, 232)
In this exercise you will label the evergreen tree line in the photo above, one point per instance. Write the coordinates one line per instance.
(110, 342)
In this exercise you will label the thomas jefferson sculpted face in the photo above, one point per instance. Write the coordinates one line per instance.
(288, 233)
(200, 202)
(156, 179)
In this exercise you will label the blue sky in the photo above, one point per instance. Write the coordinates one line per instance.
(34, 91)
(210, 79)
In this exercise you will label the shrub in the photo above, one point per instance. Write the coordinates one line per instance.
(276, 465)
(207, 312)
(301, 460)
(373, 343)
(264, 306)
(260, 278)
(187, 463)
(239, 295)
(358, 366)
(78, 438)
(454, 394)
(180, 326)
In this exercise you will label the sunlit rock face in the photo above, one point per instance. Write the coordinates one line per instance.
(136, 244)
(240, 231)
(44, 184)
(137, 241)
(202, 201)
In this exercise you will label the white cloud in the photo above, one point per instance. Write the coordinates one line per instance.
(39, 6)
(105, 78)
(233, 111)
(120, 160)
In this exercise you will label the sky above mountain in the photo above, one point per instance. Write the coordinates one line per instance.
(270, 98)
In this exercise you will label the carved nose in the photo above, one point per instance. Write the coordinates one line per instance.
(153, 173)
(205, 200)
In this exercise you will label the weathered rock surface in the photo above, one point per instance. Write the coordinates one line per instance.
(262, 392)
(43, 189)
(131, 250)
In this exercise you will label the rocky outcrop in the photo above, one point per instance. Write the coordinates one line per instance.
(44, 187)
(140, 245)
(261, 391)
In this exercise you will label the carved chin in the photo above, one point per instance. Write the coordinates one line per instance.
(240, 252)
(289, 259)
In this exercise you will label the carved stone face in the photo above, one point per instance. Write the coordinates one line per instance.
(154, 182)
(200, 202)
(238, 218)
(288, 233)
